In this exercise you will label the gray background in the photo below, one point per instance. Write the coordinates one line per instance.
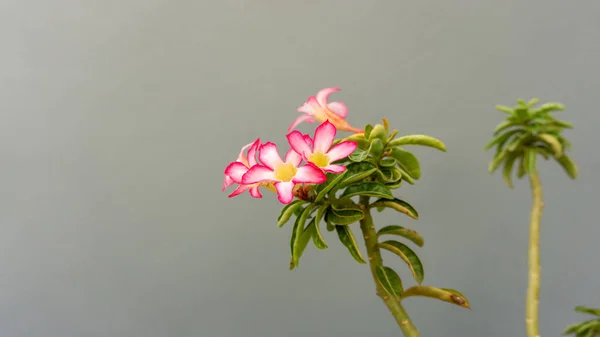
(118, 117)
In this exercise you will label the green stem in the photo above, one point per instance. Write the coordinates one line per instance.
(533, 287)
(375, 261)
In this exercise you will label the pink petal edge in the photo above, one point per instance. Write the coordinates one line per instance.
(298, 143)
(258, 174)
(341, 150)
(235, 171)
(323, 95)
(309, 174)
(334, 168)
(293, 157)
(338, 108)
(269, 155)
(303, 118)
(324, 136)
(285, 193)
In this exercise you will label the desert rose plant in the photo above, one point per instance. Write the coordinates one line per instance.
(527, 133)
(340, 181)
(589, 328)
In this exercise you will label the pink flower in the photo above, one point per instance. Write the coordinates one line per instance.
(316, 108)
(235, 170)
(321, 154)
(284, 175)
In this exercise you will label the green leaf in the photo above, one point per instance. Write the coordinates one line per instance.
(501, 139)
(344, 217)
(406, 177)
(378, 132)
(359, 155)
(300, 237)
(568, 165)
(318, 240)
(408, 255)
(505, 125)
(329, 225)
(422, 140)
(390, 281)
(573, 328)
(505, 109)
(521, 168)
(376, 147)
(446, 295)
(369, 189)
(288, 211)
(543, 151)
(407, 162)
(508, 166)
(533, 102)
(497, 160)
(347, 238)
(330, 184)
(530, 164)
(356, 172)
(548, 107)
(589, 311)
(553, 142)
(387, 162)
(406, 233)
(394, 185)
(517, 142)
(368, 129)
(398, 205)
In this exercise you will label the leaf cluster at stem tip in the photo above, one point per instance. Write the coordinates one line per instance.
(527, 132)
(379, 165)
(589, 328)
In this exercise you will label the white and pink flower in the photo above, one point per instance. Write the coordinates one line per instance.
(320, 153)
(235, 170)
(283, 174)
(317, 108)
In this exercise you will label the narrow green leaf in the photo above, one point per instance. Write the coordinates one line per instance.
(318, 240)
(446, 295)
(300, 237)
(408, 255)
(568, 165)
(359, 155)
(508, 167)
(393, 185)
(501, 139)
(390, 281)
(331, 182)
(505, 125)
(563, 124)
(356, 172)
(521, 168)
(553, 142)
(390, 174)
(505, 109)
(378, 132)
(370, 189)
(406, 177)
(548, 107)
(518, 142)
(398, 205)
(344, 217)
(407, 162)
(533, 102)
(406, 233)
(497, 160)
(573, 328)
(422, 140)
(543, 151)
(530, 164)
(589, 311)
(288, 211)
(347, 238)
(329, 225)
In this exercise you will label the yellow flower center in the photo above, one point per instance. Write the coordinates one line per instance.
(285, 172)
(319, 158)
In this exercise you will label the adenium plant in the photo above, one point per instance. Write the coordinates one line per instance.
(339, 182)
(527, 133)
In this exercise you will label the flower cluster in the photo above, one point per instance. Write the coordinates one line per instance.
(307, 160)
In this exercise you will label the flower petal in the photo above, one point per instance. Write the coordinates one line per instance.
(251, 159)
(257, 174)
(298, 143)
(293, 157)
(324, 136)
(269, 156)
(310, 174)
(303, 118)
(239, 190)
(254, 192)
(323, 95)
(242, 157)
(334, 168)
(341, 150)
(308, 140)
(285, 191)
(227, 182)
(338, 108)
(306, 108)
(235, 171)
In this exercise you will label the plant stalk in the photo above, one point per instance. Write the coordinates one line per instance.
(375, 261)
(533, 286)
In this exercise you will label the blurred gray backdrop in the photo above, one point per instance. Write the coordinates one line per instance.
(117, 118)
